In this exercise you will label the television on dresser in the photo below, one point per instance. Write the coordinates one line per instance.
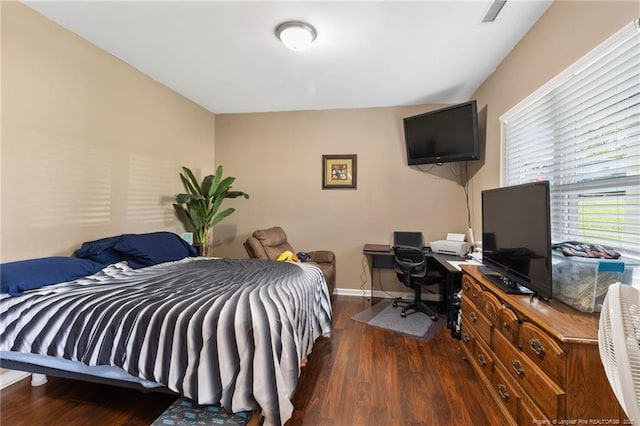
(516, 238)
(444, 135)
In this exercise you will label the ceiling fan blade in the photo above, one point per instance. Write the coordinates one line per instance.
(494, 10)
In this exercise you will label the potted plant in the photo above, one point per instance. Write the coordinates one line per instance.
(200, 204)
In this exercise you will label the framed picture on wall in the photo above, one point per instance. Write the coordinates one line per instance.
(339, 171)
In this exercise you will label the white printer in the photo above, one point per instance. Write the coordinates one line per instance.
(454, 245)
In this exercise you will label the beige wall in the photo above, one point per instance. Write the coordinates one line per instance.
(277, 159)
(276, 156)
(565, 33)
(90, 146)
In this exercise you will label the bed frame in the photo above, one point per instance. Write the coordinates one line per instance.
(55, 372)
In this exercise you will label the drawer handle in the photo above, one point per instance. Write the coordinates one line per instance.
(517, 367)
(536, 347)
(506, 326)
(503, 391)
(466, 286)
(482, 360)
(465, 337)
(473, 317)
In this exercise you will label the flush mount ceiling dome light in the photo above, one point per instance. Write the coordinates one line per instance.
(296, 35)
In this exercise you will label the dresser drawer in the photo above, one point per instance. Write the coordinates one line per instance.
(544, 391)
(490, 307)
(544, 351)
(506, 390)
(471, 288)
(484, 358)
(471, 315)
(509, 324)
(467, 337)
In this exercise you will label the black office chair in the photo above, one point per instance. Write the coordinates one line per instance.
(411, 268)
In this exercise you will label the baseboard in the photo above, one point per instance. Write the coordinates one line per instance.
(10, 377)
(367, 293)
(379, 294)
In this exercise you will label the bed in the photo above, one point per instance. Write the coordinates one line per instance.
(218, 331)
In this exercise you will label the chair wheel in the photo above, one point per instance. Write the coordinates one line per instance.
(395, 304)
(434, 318)
(403, 314)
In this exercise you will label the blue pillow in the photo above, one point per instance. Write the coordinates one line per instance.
(141, 250)
(101, 251)
(17, 277)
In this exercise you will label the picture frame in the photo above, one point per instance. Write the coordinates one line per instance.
(339, 171)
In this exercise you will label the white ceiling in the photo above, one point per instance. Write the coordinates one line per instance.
(225, 55)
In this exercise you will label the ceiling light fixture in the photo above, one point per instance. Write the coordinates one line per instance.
(296, 35)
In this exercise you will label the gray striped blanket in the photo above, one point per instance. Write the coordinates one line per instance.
(225, 331)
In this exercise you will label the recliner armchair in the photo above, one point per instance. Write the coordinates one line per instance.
(269, 243)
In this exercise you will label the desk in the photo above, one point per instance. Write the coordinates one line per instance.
(381, 256)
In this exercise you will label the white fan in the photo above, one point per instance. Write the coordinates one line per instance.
(619, 344)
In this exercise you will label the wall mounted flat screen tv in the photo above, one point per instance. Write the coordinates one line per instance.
(516, 238)
(441, 136)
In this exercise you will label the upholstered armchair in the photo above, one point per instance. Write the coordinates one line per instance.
(269, 243)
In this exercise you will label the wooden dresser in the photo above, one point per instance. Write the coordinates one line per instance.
(538, 360)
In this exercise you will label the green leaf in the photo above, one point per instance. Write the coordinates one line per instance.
(206, 185)
(196, 189)
(197, 219)
(217, 202)
(216, 180)
(183, 198)
(221, 216)
(236, 194)
(187, 185)
(224, 185)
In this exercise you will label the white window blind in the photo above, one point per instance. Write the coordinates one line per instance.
(581, 132)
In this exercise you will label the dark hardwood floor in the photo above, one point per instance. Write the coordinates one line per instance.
(363, 375)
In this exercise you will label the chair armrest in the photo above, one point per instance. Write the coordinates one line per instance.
(255, 249)
(322, 256)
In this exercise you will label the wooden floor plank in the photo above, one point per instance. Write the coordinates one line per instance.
(362, 375)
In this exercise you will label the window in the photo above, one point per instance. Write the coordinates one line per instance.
(581, 132)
